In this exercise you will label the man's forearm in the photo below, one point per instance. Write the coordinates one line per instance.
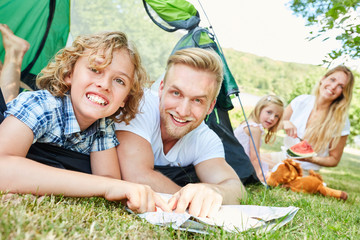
(232, 191)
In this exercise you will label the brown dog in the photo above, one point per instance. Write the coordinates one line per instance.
(289, 175)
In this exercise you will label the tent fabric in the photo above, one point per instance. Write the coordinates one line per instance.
(235, 155)
(30, 23)
(59, 157)
(183, 12)
(177, 13)
(202, 38)
(180, 175)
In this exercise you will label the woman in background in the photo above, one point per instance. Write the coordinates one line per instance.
(322, 119)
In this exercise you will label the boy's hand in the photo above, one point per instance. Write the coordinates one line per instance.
(201, 199)
(139, 198)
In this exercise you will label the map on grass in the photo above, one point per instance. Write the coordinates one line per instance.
(232, 218)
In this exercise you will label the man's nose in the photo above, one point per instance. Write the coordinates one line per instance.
(183, 109)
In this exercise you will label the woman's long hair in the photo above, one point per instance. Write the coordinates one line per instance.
(330, 125)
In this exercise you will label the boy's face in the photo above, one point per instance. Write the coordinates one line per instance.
(96, 94)
(185, 99)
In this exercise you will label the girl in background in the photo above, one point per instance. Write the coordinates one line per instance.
(266, 115)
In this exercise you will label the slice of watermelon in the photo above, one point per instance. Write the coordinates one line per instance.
(301, 149)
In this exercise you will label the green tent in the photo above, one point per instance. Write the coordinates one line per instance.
(45, 24)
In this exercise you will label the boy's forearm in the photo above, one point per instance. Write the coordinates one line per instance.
(21, 175)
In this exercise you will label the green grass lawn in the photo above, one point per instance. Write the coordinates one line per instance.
(27, 217)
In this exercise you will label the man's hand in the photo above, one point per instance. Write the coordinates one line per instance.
(139, 198)
(203, 200)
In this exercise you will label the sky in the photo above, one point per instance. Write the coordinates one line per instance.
(265, 28)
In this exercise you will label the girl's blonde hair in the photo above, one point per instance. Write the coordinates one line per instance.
(329, 127)
(260, 105)
(52, 77)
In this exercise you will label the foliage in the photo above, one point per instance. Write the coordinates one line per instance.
(335, 16)
(354, 112)
(26, 217)
(261, 75)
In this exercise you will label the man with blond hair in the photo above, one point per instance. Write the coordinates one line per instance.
(169, 134)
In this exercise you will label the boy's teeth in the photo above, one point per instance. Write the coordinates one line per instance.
(96, 99)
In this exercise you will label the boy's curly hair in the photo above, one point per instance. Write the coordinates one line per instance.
(52, 77)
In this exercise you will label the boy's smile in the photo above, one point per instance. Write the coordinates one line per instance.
(98, 93)
(97, 99)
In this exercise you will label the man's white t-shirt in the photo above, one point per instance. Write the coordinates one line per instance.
(302, 107)
(195, 147)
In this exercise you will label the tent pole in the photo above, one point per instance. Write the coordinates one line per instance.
(252, 139)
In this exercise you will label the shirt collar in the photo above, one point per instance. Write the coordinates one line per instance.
(72, 126)
(70, 122)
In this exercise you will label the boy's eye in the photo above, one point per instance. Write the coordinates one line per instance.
(120, 81)
(94, 70)
(197, 100)
(176, 93)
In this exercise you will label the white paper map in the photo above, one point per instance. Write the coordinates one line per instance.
(232, 218)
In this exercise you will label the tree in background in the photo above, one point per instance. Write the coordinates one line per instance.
(338, 16)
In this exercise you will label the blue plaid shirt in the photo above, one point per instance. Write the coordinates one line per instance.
(52, 120)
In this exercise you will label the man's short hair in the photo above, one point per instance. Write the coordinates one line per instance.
(202, 59)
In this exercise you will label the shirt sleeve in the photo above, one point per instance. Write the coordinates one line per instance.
(297, 102)
(32, 109)
(210, 148)
(144, 122)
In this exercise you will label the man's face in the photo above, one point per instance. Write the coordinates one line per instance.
(185, 99)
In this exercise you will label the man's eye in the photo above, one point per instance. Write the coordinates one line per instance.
(176, 93)
(197, 100)
(120, 81)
